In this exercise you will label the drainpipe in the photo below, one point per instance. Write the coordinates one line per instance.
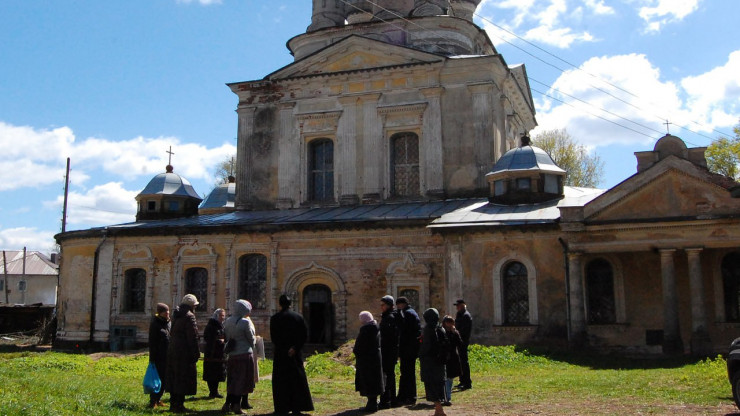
(567, 285)
(94, 286)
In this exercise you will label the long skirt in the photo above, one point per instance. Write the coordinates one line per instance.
(240, 374)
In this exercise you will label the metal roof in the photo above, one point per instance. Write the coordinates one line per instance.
(36, 263)
(526, 158)
(221, 196)
(488, 214)
(169, 183)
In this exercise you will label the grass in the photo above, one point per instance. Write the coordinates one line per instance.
(507, 380)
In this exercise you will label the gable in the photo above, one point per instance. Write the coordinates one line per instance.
(354, 53)
(674, 188)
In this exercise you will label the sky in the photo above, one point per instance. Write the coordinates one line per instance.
(113, 84)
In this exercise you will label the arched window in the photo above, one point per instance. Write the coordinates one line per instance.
(196, 282)
(516, 294)
(134, 290)
(321, 170)
(253, 280)
(600, 292)
(731, 283)
(405, 165)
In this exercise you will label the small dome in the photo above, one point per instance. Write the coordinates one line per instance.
(220, 199)
(526, 157)
(169, 183)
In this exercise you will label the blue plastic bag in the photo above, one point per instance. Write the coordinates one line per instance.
(152, 382)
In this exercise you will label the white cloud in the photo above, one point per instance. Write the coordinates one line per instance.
(109, 203)
(25, 166)
(551, 22)
(658, 13)
(29, 237)
(709, 99)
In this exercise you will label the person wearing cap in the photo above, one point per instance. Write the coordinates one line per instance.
(183, 354)
(159, 341)
(390, 323)
(369, 374)
(464, 325)
(240, 336)
(408, 351)
(288, 332)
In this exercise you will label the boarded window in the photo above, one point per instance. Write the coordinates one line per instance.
(321, 170)
(731, 283)
(516, 294)
(253, 280)
(600, 292)
(196, 282)
(405, 165)
(134, 290)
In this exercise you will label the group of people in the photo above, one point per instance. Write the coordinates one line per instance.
(230, 354)
(441, 347)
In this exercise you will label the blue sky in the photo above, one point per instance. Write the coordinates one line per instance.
(113, 84)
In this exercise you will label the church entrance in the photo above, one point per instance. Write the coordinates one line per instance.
(318, 312)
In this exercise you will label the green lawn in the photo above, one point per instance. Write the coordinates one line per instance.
(506, 381)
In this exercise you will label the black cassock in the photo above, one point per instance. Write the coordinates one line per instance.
(289, 384)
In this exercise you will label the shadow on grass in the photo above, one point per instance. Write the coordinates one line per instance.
(360, 411)
(599, 361)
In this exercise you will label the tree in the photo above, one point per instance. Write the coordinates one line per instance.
(583, 169)
(224, 169)
(723, 155)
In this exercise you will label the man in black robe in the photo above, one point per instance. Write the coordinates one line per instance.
(464, 325)
(288, 332)
(389, 332)
(408, 351)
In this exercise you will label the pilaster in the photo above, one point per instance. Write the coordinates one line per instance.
(672, 343)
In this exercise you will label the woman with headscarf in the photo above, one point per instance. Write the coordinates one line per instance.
(214, 365)
(183, 354)
(159, 341)
(369, 374)
(432, 366)
(240, 365)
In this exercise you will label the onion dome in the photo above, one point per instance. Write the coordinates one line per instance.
(525, 175)
(167, 195)
(221, 199)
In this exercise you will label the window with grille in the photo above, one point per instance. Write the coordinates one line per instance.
(731, 283)
(134, 293)
(412, 295)
(600, 292)
(516, 294)
(196, 282)
(405, 165)
(253, 280)
(321, 170)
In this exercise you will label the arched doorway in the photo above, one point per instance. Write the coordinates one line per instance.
(318, 312)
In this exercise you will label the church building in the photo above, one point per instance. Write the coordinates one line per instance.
(391, 157)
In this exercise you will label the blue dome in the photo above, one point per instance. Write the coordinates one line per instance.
(526, 158)
(169, 183)
(222, 196)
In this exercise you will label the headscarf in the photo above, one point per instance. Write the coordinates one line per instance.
(366, 317)
(216, 313)
(242, 308)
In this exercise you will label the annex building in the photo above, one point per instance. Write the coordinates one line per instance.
(391, 157)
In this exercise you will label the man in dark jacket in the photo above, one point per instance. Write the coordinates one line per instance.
(408, 351)
(183, 354)
(464, 325)
(290, 392)
(389, 332)
(159, 341)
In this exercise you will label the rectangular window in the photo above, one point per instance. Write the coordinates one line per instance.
(174, 205)
(499, 187)
(151, 205)
(551, 184)
(523, 184)
(22, 285)
(2, 285)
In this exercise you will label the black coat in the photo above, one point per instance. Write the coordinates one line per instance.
(369, 376)
(159, 342)
(390, 325)
(214, 364)
(464, 324)
(453, 366)
(409, 340)
(290, 390)
(183, 353)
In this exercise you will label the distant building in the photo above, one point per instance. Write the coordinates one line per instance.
(391, 158)
(37, 285)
